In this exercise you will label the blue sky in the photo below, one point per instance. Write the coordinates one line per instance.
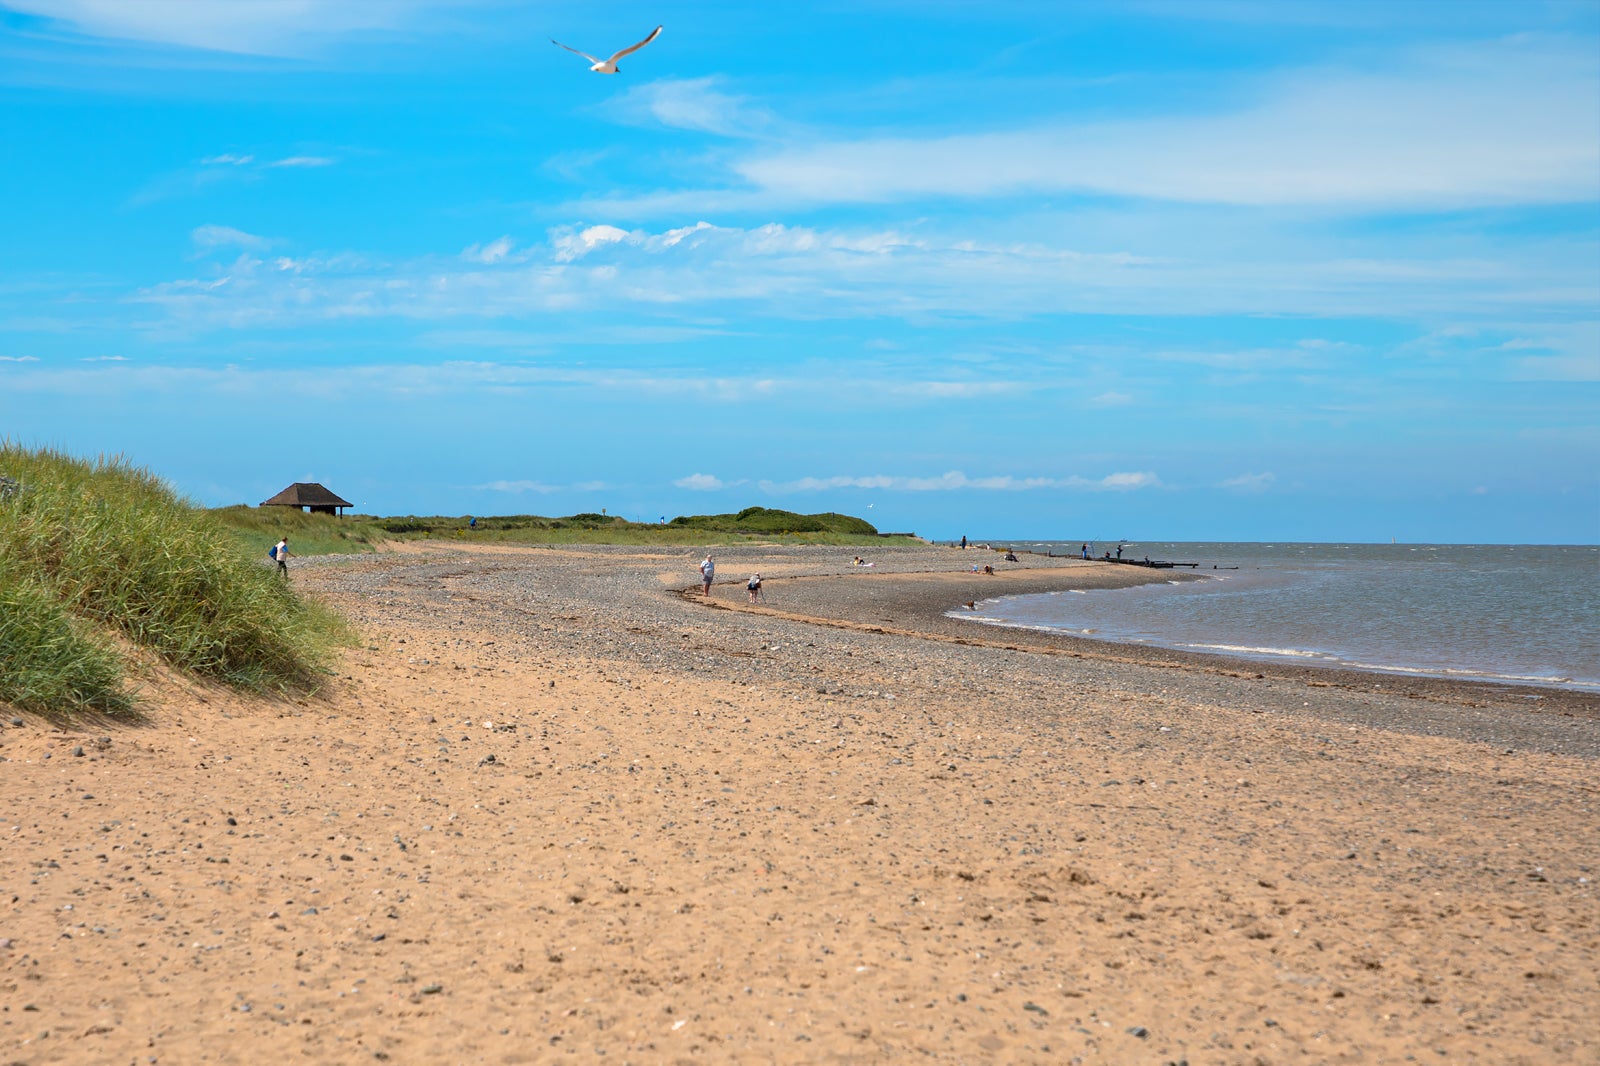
(1186, 270)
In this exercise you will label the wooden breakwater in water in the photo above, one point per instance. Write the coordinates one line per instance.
(1153, 564)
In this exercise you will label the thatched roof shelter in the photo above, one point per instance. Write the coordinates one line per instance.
(310, 495)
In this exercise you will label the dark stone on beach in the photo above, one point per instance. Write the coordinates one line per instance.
(77, 751)
(16, 721)
(232, 821)
(309, 910)
(1139, 1031)
(1036, 1009)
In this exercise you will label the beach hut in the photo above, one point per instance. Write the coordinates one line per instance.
(311, 496)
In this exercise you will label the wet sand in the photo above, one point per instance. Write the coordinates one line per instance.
(556, 808)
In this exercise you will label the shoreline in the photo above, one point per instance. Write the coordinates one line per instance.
(917, 604)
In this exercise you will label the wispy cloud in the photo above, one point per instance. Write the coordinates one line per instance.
(521, 487)
(209, 237)
(518, 486)
(803, 272)
(696, 104)
(703, 483)
(498, 250)
(1253, 483)
(231, 159)
(220, 170)
(955, 480)
(1507, 122)
(250, 27)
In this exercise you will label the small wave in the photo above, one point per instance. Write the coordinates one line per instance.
(1484, 675)
(1246, 649)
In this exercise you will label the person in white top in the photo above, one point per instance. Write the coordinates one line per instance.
(708, 570)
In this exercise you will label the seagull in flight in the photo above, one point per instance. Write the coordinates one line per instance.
(609, 66)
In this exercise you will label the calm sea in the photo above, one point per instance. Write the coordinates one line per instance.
(1509, 613)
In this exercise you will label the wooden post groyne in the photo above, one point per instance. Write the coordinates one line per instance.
(1153, 564)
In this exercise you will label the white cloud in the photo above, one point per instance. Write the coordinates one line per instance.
(250, 27)
(19, 358)
(495, 251)
(1254, 483)
(227, 159)
(1577, 367)
(210, 236)
(569, 246)
(702, 273)
(1111, 399)
(695, 104)
(304, 161)
(701, 483)
(1512, 121)
(955, 480)
(1567, 351)
(952, 390)
(1126, 482)
(517, 486)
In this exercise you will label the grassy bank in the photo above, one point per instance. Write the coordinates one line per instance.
(99, 553)
(752, 524)
(258, 528)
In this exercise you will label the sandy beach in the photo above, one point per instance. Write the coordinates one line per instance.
(557, 807)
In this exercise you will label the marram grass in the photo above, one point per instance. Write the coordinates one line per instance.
(51, 662)
(113, 546)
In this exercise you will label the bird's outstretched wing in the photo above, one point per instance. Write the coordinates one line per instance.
(635, 47)
(585, 55)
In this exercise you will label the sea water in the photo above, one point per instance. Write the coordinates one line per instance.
(1528, 614)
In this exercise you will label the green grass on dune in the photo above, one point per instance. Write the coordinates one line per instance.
(258, 528)
(110, 545)
(50, 661)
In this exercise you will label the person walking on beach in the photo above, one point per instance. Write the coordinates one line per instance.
(708, 570)
(753, 586)
(281, 554)
(963, 542)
